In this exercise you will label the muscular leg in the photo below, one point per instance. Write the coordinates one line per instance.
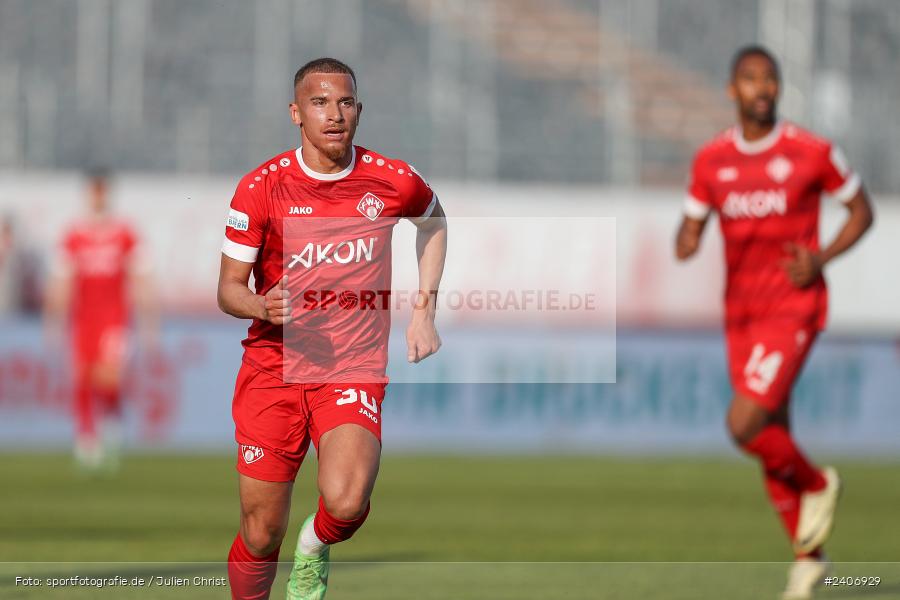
(265, 510)
(766, 436)
(87, 450)
(786, 471)
(349, 457)
(746, 419)
(253, 559)
(106, 379)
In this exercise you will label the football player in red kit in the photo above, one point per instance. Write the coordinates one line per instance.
(100, 278)
(306, 223)
(764, 179)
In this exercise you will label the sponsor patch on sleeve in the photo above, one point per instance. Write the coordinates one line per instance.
(238, 220)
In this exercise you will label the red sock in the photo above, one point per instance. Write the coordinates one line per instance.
(85, 427)
(250, 577)
(110, 402)
(786, 502)
(782, 460)
(332, 530)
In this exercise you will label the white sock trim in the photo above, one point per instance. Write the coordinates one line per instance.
(309, 542)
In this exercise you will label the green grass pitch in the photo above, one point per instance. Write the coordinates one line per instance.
(449, 527)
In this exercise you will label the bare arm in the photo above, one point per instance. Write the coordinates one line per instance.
(687, 241)
(803, 266)
(146, 302)
(238, 300)
(431, 249)
(56, 305)
(859, 220)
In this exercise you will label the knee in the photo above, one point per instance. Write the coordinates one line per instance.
(107, 377)
(346, 505)
(262, 535)
(742, 431)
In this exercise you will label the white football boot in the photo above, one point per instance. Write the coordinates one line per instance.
(817, 514)
(805, 575)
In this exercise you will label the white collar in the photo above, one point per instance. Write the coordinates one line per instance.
(327, 176)
(760, 145)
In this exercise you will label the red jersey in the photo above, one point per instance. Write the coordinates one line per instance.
(99, 254)
(767, 194)
(331, 235)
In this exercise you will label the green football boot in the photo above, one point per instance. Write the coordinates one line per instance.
(309, 575)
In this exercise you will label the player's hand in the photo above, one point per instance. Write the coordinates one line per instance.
(802, 265)
(686, 246)
(278, 304)
(422, 339)
(687, 241)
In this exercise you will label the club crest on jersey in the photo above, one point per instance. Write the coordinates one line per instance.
(251, 454)
(370, 206)
(779, 169)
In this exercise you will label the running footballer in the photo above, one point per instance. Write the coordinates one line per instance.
(313, 225)
(764, 178)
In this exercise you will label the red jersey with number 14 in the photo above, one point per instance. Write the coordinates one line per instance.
(767, 195)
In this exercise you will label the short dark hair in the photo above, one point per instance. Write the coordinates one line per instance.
(324, 65)
(753, 50)
(97, 173)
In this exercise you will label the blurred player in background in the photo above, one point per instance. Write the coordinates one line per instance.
(764, 178)
(361, 194)
(100, 277)
(20, 272)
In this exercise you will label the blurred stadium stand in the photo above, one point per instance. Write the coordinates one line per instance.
(585, 91)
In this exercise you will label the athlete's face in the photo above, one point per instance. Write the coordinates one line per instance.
(754, 87)
(327, 111)
(97, 197)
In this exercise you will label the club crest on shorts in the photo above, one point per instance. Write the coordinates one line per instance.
(370, 206)
(251, 454)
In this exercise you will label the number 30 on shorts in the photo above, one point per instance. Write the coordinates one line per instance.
(352, 395)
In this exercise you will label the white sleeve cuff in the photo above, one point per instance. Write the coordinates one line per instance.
(696, 209)
(428, 210)
(848, 191)
(239, 252)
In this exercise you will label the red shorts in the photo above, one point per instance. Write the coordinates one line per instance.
(765, 360)
(104, 344)
(275, 421)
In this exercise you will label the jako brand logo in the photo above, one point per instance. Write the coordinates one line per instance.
(761, 203)
(342, 253)
(300, 210)
(727, 174)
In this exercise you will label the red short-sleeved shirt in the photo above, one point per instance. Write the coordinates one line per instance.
(98, 254)
(331, 235)
(767, 194)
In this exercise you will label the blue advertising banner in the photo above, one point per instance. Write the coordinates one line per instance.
(670, 395)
